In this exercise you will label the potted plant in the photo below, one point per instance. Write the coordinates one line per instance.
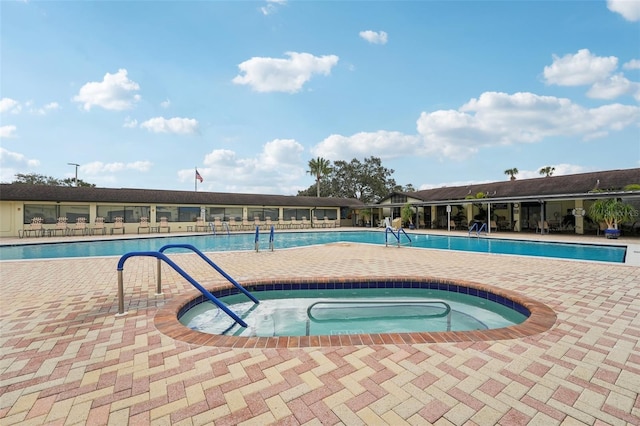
(407, 215)
(611, 211)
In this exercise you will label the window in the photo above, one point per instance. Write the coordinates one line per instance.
(295, 213)
(398, 198)
(51, 212)
(322, 213)
(130, 214)
(225, 213)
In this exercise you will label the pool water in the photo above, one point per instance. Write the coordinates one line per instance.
(246, 241)
(351, 311)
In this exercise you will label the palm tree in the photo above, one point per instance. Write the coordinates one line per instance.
(511, 172)
(547, 171)
(319, 167)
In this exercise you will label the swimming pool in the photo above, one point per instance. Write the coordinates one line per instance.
(352, 311)
(246, 241)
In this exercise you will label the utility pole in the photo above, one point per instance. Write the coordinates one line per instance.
(76, 179)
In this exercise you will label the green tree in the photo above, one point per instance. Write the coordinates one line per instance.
(547, 171)
(367, 181)
(36, 179)
(511, 172)
(319, 167)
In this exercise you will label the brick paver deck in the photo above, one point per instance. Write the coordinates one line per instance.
(68, 359)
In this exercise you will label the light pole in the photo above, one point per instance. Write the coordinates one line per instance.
(77, 165)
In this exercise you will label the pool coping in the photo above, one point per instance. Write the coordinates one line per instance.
(541, 319)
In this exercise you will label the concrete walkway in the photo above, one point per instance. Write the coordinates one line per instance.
(67, 359)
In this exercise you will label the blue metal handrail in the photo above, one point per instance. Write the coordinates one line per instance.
(179, 270)
(213, 265)
(354, 304)
(478, 229)
(271, 236)
(257, 242)
(389, 229)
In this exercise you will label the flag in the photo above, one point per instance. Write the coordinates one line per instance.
(198, 176)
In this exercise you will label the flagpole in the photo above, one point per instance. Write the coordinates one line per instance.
(195, 178)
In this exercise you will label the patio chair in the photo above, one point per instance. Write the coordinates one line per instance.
(453, 225)
(200, 225)
(35, 227)
(217, 223)
(282, 224)
(267, 222)
(118, 225)
(164, 224)
(61, 227)
(99, 226)
(328, 223)
(542, 228)
(257, 223)
(305, 223)
(246, 225)
(79, 227)
(294, 224)
(493, 225)
(144, 224)
(233, 225)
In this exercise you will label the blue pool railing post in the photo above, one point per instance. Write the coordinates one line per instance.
(257, 243)
(271, 234)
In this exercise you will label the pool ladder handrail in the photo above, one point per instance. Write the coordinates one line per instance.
(390, 229)
(271, 238)
(447, 311)
(225, 225)
(478, 229)
(162, 257)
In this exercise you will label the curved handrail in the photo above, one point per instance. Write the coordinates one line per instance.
(390, 229)
(213, 265)
(447, 311)
(179, 270)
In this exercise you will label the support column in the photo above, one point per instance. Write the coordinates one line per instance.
(579, 208)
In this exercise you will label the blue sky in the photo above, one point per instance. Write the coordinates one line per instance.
(444, 92)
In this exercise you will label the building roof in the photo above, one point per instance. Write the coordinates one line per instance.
(566, 186)
(28, 192)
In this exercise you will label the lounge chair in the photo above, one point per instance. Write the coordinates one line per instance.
(282, 224)
(217, 223)
(493, 225)
(233, 225)
(164, 224)
(542, 228)
(35, 227)
(118, 225)
(200, 225)
(328, 223)
(80, 226)
(99, 226)
(144, 224)
(61, 227)
(267, 222)
(294, 224)
(305, 223)
(246, 225)
(257, 223)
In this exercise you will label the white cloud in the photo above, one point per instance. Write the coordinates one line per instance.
(374, 37)
(384, 143)
(176, 125)
(10, 157)
(272, 6)
(490, 120)
(580, 69)
(613, 87)
(8, 131)
(283, 75)
(165, 104)
(115, 92)
(98, 167)
(633, 64)
(629, 9)
(52, 106)
(130, 123)
(9, 105)
(275, 170)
